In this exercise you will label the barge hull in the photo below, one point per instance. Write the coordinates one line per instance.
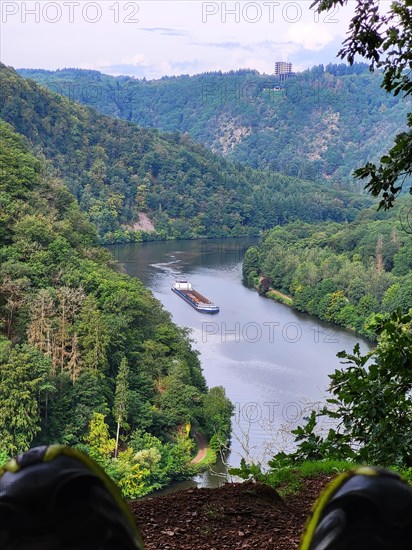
(196, 300)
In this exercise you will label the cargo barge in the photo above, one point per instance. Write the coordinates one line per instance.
(185, 290)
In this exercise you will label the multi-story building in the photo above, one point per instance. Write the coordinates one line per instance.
(283, 68)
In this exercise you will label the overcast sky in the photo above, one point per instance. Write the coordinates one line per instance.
(152, 38)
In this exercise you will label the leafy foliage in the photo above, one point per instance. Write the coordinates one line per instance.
(367, 419)
(341, 273)
(385, 39)
(287, 476)
(23, 373)
(99, 443)
(83, 347)
(121, 397)
(118, 171)
(319, 125)
(218, 410)
(371, 403)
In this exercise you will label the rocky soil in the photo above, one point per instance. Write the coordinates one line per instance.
(234, 516)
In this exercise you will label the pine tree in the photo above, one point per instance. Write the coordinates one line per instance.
(94, 335)
(13, 292)
(65, 349)
(98, 440)
(379, 266)
(23, 372)
(121, 398)
(42, 312)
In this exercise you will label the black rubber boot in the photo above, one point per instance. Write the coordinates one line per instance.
(363, 509)
(56, 498)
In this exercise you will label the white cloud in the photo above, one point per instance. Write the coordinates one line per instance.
(137, 59)
(310, 36)
(261, 65)
(171, 37)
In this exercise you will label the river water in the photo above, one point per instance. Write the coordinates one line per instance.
(272, 360)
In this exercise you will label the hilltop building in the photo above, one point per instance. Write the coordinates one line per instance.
(283, 69)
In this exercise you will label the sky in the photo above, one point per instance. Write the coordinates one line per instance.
(151, 39)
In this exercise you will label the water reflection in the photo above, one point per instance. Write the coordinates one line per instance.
(272, 360)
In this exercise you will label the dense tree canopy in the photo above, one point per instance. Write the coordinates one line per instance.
(88, 357)
(118, 170)
(319, 125)
(84, 348)
(341, 273)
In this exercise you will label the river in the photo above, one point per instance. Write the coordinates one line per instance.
(272, 360)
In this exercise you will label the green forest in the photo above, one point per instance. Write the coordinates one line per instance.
(319, 125)
(88, 357)
(117, 170)
(312, 167)
(86, 350)
(341, 273)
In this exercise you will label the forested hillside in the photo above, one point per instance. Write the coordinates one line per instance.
(84, 349)
(342, 273)
(319, 125)
(118, 170)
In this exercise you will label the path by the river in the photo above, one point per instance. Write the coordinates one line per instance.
(202, 448)
(272, 360)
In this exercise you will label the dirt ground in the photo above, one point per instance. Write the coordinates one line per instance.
(201, 448)
(234, 516)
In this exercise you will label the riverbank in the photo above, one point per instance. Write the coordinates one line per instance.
(264, 289)
(234, 516)
(266, 356)
(205, 456)
(272, 293)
